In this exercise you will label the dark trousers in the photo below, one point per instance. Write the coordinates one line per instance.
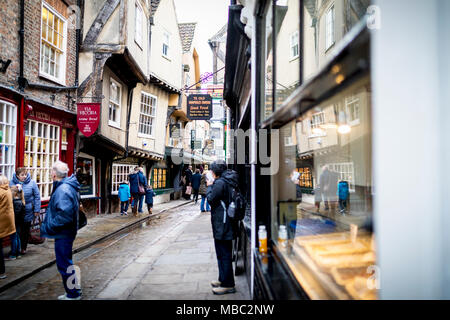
(63, 253)
(224, 252)
(24, 234)
(342, 204)
(149, 206)
(124, 206)
(195, 194)
(2, 258)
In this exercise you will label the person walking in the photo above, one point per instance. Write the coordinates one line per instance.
(32, 198)
(124, 197)
(202, 191)
(196, 179)
(187, 182)
(149, 194)
(19, 215)
(61, 224)
(7, 226)
(137, 188)
(223, 228)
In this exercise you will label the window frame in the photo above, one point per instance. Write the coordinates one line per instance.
(160, 173)
(139, 9)
(122, 174)
(353, 100)
(9, 166)
(143, 134)
(294, 35)
(45, 192)
(330, 27)
(84, 155)
(168, 35)
(63, 59)
(112, 123)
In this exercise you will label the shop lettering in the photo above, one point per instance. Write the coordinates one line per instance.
(46, 117)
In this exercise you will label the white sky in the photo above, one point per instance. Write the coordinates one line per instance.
(211, 16)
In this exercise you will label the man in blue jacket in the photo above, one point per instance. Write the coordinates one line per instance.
(61, 224)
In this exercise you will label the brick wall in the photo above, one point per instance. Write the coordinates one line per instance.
(9, 48)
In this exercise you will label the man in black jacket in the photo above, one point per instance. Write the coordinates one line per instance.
(223, 228)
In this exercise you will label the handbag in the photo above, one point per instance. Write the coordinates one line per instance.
(188, 190)
(141, 190)
(35, 231)
(82, 219)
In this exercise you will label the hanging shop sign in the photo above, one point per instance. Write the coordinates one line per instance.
(88, 118)
(199, 107)
(175, 131)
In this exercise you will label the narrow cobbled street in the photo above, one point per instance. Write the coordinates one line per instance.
(172, 257)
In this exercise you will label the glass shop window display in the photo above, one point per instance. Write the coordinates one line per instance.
(329, 229)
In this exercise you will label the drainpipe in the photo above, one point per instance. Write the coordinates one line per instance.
(21, 80)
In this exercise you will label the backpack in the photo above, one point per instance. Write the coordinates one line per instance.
(237, 204)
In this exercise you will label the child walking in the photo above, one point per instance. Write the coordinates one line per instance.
(149, 194)
(19, 216)
(124, 196)
(343, 194)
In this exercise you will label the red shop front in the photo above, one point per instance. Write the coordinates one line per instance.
(45, 135)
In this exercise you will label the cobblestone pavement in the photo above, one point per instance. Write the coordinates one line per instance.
(169, 258)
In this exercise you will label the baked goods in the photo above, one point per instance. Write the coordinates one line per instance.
(352, 260)
(323, 239)
(343, 276)
(360, 246)
(362, 288)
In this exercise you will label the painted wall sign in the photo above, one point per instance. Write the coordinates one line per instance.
(199, 107)
(88, 118)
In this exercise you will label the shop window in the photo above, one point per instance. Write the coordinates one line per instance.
(138, 35)
(329, 22)
(53, 45)
(305, 179)
(330, 243)
(42, 146)
(166, 44)
(148, 114)
(86, 175)
(159, 180)
(120, 173)
(115, 98)
(8, 122)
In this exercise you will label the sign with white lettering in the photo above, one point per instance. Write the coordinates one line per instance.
(199, 107)
(88, 118)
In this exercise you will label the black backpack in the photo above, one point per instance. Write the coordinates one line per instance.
(237, 204)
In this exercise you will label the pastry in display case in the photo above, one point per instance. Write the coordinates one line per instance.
(341, 261)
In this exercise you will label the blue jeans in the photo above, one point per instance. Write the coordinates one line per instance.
(202, 204)
(15, 244)
(137, 197)
(124, 206)
(63, 253)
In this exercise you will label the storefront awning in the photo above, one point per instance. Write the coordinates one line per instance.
(135, 152)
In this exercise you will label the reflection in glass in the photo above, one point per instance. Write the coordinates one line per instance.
(287, 50)
(325, 24)
(324, 193)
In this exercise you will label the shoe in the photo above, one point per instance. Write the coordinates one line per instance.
(222, 290)
(125, 213)
(121, 213)
(215, 284)
(2, 276)
(10, 258)
(22, 252)
(65, 297)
